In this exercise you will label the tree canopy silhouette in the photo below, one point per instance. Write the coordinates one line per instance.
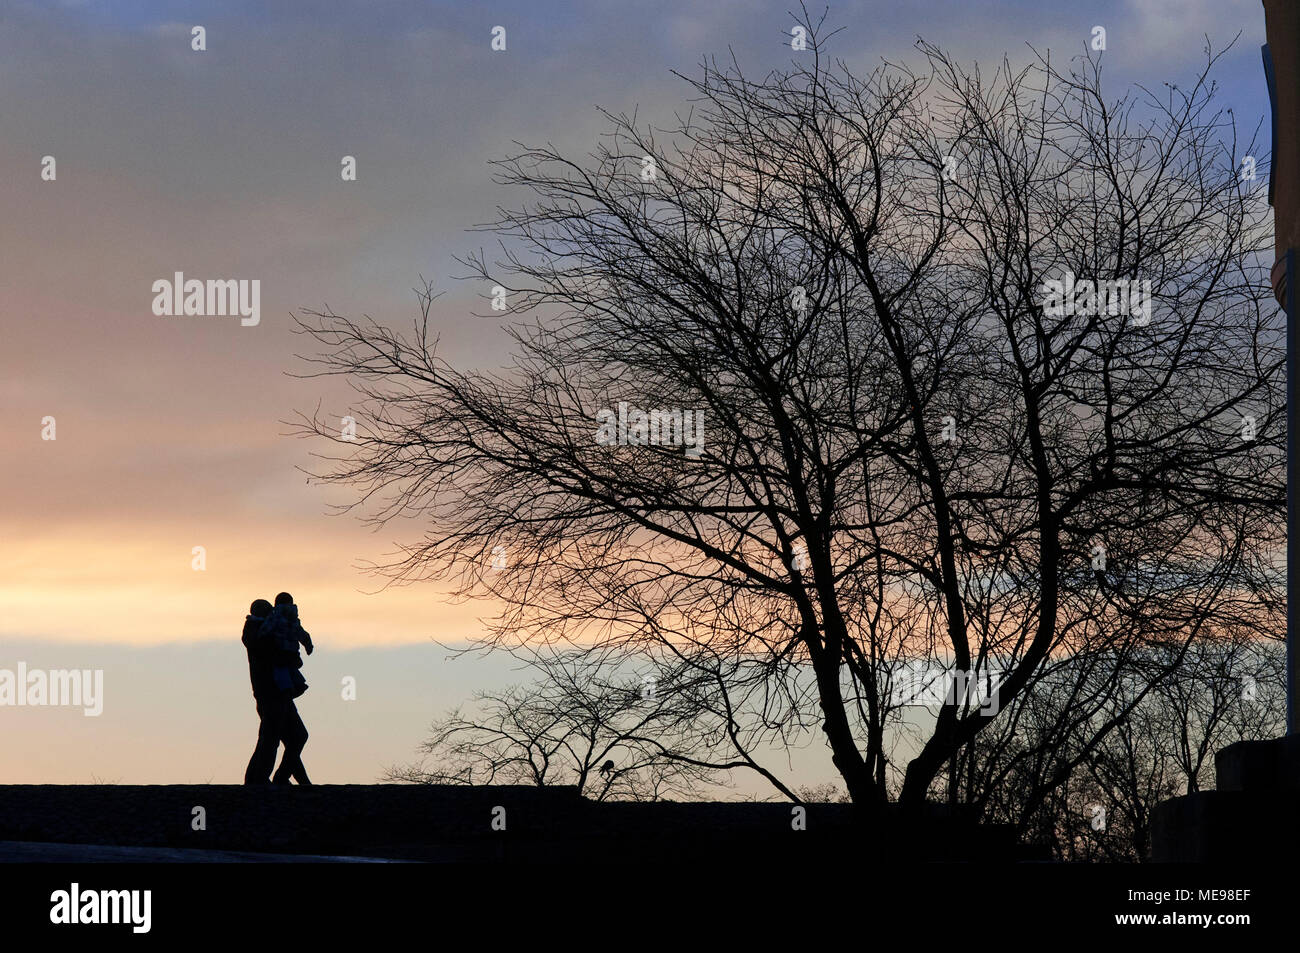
(985, 371)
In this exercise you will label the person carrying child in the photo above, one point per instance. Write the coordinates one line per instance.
(272, 635)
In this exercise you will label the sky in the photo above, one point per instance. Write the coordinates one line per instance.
(171, 432)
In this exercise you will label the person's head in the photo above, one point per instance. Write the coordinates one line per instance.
(284, 599)
(259, 608)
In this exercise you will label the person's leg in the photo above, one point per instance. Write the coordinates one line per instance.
(294, 728)
(294, 735)
(269, 729)
(299, 773)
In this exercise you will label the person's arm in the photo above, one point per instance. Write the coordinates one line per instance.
(304, 638)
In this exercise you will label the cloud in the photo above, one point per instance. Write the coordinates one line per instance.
(1173, 32)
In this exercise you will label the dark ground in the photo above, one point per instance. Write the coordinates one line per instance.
(434, 823)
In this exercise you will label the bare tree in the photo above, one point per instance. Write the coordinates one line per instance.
(612, 732)
(527, 735)
(1048, 770)
(905, 442)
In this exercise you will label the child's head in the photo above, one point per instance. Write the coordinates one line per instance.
(284, 599)
(259, 608)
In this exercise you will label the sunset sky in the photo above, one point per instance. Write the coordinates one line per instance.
(225, 163)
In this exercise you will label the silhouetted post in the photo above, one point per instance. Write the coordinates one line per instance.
(1282, 68)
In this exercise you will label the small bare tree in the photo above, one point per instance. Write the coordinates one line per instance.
(613, 732)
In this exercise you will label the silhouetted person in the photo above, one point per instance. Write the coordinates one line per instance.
(263, 637)
(265, 693)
